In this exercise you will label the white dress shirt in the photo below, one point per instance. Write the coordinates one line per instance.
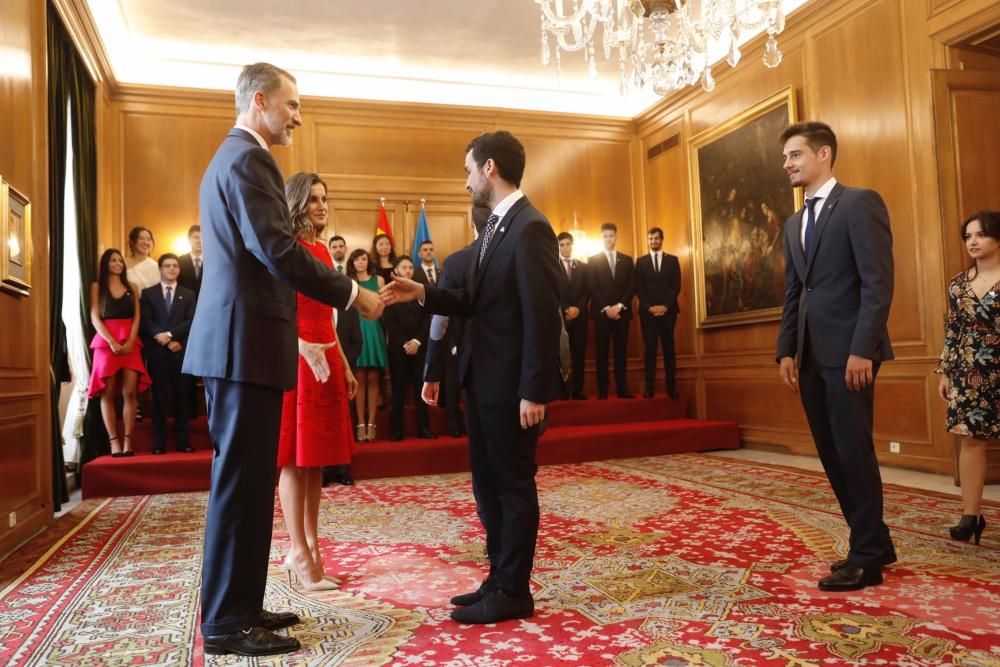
(824, 193)
(657, 258)
(507, 203)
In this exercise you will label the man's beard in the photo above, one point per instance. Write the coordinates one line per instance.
(483, 197)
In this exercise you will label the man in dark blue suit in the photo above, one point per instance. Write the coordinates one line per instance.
(833, 337)
(573, 298)
(611, 286)
(167, 312)
(244, 344)
(509, 367)
(657, 284)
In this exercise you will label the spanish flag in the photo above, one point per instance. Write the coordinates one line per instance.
(383, 225)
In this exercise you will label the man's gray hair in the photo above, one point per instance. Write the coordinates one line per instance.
(264, 77)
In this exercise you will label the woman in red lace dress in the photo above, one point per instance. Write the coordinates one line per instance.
(315, 422)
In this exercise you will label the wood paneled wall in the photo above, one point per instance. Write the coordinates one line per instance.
(25, 455)
(863, 67)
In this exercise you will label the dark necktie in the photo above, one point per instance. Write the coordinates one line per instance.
(197, 268)
(657, 262)
(170, 298)
(491, 224)
(810, 223)
(431, 277)
(340, 268)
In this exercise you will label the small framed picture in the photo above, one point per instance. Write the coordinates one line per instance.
(15, 233)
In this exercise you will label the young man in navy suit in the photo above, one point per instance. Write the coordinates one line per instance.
(192, 263)
(244, 343)
(611, 286)
(509, 367)
(167, 313)
(833, 337)
(573, 299)
(657, 284)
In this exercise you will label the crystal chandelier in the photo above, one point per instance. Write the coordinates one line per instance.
(663, 44)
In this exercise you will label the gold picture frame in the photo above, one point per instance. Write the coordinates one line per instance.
(740, 198)
(15, 234)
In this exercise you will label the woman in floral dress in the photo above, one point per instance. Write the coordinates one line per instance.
(970, 364)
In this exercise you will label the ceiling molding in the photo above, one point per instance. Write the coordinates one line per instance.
(79, 23)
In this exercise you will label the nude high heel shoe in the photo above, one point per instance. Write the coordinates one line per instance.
(289, 567)
(313, 584)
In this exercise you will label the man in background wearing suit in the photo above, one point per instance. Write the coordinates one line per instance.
(833, 337)
(244, 344)
(192, 263)
(573, 304)
(425, 268)
(509, 368)
(609, 281)
(657, 283)
(338, 251)
(167, 313)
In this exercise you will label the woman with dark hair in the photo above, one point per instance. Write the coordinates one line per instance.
(315, 423)
(970, 364)
(143, 270)
(385, 257)
(372, 360)
(114, 312)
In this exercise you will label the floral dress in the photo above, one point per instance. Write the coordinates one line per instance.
(971, 360)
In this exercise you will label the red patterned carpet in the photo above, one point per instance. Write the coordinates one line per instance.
(671, 560)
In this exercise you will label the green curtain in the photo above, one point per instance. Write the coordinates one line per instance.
(70, 87)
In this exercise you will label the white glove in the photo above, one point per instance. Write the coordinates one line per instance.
(315, 356)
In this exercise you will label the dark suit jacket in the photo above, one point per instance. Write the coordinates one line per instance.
(155, 319)
(404, 322)
(421, 276)
(573, 292)
(658, 289)
(843, 290)
(510, 348)
(608, 291)
(188, 278)
(349, 334)
(454, 275)
(245, 328)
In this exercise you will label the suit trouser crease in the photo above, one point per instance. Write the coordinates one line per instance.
(659, 332)
(406, 375)
(502, 457)
(168, 381)
(841, 424)
(609, 331)
(244, 421)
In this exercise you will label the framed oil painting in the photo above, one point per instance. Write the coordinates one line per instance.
(15, 231)
(740, 198)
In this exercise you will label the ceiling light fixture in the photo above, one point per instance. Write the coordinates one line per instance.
(665, 45)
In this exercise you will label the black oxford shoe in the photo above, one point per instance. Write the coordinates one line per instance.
(851, 578)
(271, 620)
(465, 599)
(495, 606)
(843, 562)
(251, 642)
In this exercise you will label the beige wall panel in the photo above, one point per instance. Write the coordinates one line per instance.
(389, 151)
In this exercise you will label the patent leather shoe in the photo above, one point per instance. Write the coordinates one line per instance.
(969, 526)
(276, 620)
(851, 578)
(253, 641)
(495, 606)
(889, 559)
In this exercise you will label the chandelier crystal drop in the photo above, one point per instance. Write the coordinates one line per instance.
(665, 45)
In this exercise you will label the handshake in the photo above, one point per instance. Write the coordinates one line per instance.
(400, 290)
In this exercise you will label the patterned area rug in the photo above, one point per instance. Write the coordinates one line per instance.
(675, 560)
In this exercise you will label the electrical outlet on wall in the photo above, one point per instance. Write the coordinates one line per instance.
(12, 519)
(894, 447)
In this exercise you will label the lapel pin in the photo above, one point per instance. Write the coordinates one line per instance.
(501, 230)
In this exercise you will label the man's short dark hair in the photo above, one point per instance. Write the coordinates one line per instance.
(609, 227)
(400, 259)
(336, 237)
(816, 135)
(564, 236)
(655, 230)
(165, 256)
(480, 215)
(426, 243)
(504, 149)
(194, 229)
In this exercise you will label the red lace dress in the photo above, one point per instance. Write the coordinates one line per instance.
(315, 419)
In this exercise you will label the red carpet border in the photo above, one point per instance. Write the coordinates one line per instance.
(671, 560)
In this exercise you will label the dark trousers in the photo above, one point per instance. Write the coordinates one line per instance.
(841, 425)
(577, 330)
(244, 421)
(451, 391)
(164, 369)
(608, 330)
(658, 332)
(502, 457)
(407, 373)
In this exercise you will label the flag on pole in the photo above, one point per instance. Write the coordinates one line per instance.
(423, 235)
(383, 224)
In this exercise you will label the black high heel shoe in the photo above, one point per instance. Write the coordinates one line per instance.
(968, 526)
(114, 454)
(127, 451)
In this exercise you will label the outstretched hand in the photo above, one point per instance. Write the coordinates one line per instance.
(401, 290)
(368, 304)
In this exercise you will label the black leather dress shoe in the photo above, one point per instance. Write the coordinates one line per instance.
(579, 397)
(457, 434)
(672, 393)
(395, 437)
(602, 397)
(648, 393)
(851, 578)
(495, 606)
(272, 620)
(626, 394)
(159, 450)
(427, 434)
(251, 642)
(185, 449)
(465, 599)
(843, 562)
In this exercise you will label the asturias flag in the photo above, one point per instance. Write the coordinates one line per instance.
(422, 236)
(383, 225)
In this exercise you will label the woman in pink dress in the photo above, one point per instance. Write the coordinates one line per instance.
(315, 420)
(114, 312)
